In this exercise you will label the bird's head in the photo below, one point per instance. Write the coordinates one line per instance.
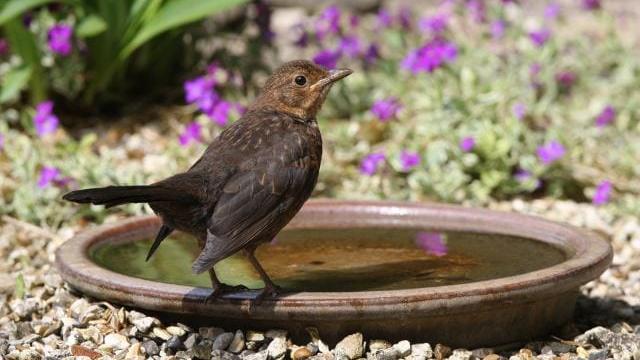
(299, 88)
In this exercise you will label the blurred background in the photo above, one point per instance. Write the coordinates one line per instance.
(461, 101)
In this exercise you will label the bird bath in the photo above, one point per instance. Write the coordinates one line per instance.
(361, 266)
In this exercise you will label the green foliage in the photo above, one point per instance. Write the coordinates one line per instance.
(113, 31)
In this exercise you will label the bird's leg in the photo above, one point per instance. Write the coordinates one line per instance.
(270, 289)
(220, 288)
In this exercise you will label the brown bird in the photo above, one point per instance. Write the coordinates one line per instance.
(250, 182)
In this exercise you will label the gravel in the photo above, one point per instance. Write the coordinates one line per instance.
(51, 321)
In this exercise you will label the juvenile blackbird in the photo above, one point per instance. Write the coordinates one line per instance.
(252, 179)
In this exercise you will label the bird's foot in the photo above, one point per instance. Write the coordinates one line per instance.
(269, 291)
(222, 289)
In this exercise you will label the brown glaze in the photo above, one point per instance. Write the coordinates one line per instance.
(475, 314)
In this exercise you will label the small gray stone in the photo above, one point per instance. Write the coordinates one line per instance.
(116, 341)
(275, 334)
(384, 354)
(313, 348)
(202, 350)
(222, 341)
(403, 347)
(254, 336)
(144, 324)
(174, 343)
(210, 332)
(561, 348)
(375, 345)
(237, 344)
(176, 331)
(461, 354)
(260, 355)
(482, 352)
(277, 349)
(223, 355)
(600, 354)
(190, 341)
(161, 333)
(150, 348)
(350, 347)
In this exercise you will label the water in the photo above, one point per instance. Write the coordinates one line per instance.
(344, 260)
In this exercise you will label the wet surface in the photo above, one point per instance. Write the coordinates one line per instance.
(344, 259)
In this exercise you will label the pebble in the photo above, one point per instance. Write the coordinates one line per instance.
(161, 333)
(176, 330)
(277, 349)
(390, 353)
(190, 341)
(350, 347)
(174, 343)
(150, 348)
(423, 349)
(260, 355)
(403, 347)
(116, 341)
(222, 341)
(134, 352)
(210, 332)
(300, 353)
(203, 349)
(255, 336)
(461, 354)
(598, 354)
(223, 355)
(441, 351)
(276, 334)
(377, 344)
(237, 344)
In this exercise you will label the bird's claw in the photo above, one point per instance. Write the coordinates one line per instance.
(223, 289)
(269, 291)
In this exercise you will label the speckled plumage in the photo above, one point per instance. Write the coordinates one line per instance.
(252, 179)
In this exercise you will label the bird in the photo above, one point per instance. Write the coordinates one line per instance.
(250, 181)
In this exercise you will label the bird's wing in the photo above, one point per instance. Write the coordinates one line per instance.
(253, 199)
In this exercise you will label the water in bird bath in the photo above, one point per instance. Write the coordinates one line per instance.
(344, 259)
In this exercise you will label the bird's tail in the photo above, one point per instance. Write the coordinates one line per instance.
(117, 195)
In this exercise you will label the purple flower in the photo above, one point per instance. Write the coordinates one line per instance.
(540, 37)
(497, 29)
(44, 120)
(4, 46)
(591, 4)
(430, 56)
(192, 132)
(372, 54)
(534, 70)
(405, 18)
(220, 113)
(47, 175)
(1, 142)
(327, 58)
(59, 39)
(384, 18)
(477, 10)
(523, 176)
(432, 243)
(328, 22)
(566, 79)
(371, 163)
(354, 21)
(606, 117)
(551, 11)
(197, 88)
(350, 46)
(385, 109)
(519, 110)
(550, 152)
(435, 24)
(603, 193)
(467, 143)
(409, 159)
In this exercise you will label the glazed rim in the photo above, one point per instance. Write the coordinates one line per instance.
(588, 255)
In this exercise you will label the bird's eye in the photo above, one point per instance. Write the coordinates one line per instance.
(300, 80)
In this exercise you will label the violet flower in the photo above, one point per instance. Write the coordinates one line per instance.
(192, 132)
(386, 109)
(432, 243)
(44, 121)
(328, 22)
(1, 141)
(327, 58)
(59, 39)
(602, 193)
(350, 46)
(47, 175)
(550, 152)
(519, 110)
(372, 54)
(566, 79)
(405, 17)
(409, 160)
(435, 24)
(498, 29)
(523, 176)
(220, 113)
(551, 11)
(606, 117)
(371, 163)
(591, 4)
(384, 18)
(477, 10)
(197, 89)
(467, 143)
(540, 37)
(4, 46)
(430, 56)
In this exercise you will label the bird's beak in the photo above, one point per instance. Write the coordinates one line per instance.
(334, 75)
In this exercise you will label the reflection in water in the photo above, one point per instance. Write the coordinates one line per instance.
(345, 259)
(432, 243)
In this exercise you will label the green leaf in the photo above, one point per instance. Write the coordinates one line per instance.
(23, 43)
(21, 288)
(14, 82)
(17, 7)
(175, 14)
(91, 25)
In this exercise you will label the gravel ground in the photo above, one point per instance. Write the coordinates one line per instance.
(53, 322)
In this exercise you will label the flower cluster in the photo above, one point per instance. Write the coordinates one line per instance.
(59, 39)
(371, 163)
(386, 109)
(45, 121)
(430, 56)
(551, 152)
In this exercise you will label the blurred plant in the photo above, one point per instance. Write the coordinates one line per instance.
(98, 44)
